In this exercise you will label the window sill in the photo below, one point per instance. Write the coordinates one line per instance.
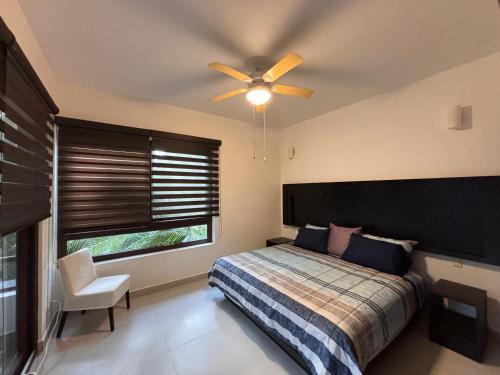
(127, 258)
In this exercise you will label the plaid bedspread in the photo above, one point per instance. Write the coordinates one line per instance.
(335, 314)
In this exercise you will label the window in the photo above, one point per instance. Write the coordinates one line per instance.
(26, 151)
(113, 246)
(126, 191)
(26, 132)
(9, 299)
(9, 268)
(184, 179)
(18, 299)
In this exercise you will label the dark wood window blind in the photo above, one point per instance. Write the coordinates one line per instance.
(26, 155)
(104, 178)
(116, 179)
(26, 143)
(185, 178)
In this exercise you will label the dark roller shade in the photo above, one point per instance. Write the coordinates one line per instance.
(184, 178)
(115, 179)
(104, 178)
(26, 126)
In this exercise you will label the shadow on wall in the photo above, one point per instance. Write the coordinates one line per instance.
(421, 261)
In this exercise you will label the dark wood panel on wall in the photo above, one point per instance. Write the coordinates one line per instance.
(458, 217)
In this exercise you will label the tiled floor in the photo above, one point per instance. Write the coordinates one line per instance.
(192, 329)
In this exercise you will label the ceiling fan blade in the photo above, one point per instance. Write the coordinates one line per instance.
(283, 66)
(230, 71)
(260, 108)
(229, 94)
(291, 90)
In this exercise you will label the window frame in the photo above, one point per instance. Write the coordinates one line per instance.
(152, 224)
(164, 225)
(26, 297)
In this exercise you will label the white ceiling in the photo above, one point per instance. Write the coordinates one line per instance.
(158, 50)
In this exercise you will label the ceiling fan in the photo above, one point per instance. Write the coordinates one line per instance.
(260, 87)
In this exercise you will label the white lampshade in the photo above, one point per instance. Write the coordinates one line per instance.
(259, 95)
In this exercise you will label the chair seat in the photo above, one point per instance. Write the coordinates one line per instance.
(101, 293)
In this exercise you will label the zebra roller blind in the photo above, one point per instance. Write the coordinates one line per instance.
(114, 177)
(104, 178)
(184, 178)
(26, 141)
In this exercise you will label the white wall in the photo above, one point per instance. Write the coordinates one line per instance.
(250, 192)
(403, 134)
(249, 188)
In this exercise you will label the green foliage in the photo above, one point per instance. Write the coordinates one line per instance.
(9, 244)
(141, 240)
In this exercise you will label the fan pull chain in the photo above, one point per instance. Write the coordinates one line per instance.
(264, 116)
(253, 130)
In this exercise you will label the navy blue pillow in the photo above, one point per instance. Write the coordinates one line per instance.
(380, 255)
(313, 239)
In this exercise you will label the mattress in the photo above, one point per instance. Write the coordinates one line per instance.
(335, 315)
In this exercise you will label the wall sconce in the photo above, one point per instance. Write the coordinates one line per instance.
(455, 118)
(460, 118)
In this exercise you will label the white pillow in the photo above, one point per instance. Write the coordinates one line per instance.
(310, 226)
(406, 244)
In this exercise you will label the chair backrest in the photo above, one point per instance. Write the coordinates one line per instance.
(77, 270)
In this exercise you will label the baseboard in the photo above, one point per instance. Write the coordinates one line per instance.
(29, 363)
(168, 285)
(40, 345)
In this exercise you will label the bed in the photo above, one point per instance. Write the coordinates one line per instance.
(334, 315)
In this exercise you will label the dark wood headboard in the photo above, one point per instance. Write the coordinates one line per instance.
(458, 217)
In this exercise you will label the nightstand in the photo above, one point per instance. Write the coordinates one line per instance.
(463, 334)
(278, 241)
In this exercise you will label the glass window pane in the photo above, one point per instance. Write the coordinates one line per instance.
(106, 245)
(9, 299)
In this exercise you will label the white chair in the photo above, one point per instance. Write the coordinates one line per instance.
(83, 290)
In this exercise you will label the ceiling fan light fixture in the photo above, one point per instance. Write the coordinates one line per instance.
(259, 95)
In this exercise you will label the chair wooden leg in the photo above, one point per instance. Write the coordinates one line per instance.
(61, 323)
(111, 319)
(127, 297)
